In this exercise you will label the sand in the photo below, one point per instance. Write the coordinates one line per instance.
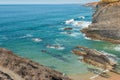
(89, 76)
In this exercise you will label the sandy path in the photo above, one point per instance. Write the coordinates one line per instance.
(11, 74)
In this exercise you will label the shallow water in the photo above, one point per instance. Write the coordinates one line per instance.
(28, 29)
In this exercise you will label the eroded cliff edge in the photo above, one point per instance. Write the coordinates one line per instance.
(106, 23)
(13, 67)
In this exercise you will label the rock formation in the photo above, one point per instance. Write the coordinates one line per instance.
(93, 4)
(106, 23)
(68, 28)
(94, 57)
(13, 67)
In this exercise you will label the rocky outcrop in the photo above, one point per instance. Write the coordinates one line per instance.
(93, 4)
(94, 57)
(4, 76)
(68, 28)
(106, 23)
(13, 67)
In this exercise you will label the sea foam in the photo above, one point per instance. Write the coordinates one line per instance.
(77, 23)
(58, 47)
(26, 36)
(110, 56)
(69, 21)
(117, 48)
(37, 39)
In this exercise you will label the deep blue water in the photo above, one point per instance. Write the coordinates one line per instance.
(28, 30)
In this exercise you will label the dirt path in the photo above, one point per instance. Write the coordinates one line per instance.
(11, 74)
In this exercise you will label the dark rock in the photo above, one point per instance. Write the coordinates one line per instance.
(68, 28)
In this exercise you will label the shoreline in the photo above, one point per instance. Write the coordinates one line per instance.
(105, 23)
(95, 36)
(91, 76)
(85, 76)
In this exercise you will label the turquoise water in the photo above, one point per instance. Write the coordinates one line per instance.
(28, 30)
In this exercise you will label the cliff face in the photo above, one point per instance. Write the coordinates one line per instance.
(13, 67)
(93, 4)
(106, 23)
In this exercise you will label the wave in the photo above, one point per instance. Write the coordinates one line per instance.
(37, 39)
(87, 38)
(77, 23)
(73, 34)
(81, 17)
(69, 21)
(112, 57)
(56, 46)
(117, 48)
(26, 36)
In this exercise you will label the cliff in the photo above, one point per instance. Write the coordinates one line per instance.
(13, 67)
(106, 23)
(93, 4)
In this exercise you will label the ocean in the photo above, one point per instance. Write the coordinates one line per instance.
(37, 32)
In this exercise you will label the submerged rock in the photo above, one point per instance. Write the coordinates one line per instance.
(106, 23)
(68, 28)
(17, 68)
(94, 57)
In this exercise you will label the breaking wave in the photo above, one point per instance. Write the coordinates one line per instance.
(36, 39)
(26, 36)
(56, 46)
(117, 48)
(112, 57)
(77, 23)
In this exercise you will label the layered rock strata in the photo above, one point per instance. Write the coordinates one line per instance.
(95, 58)
(106, 23)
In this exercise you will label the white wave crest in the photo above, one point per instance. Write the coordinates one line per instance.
(26, 36)
(75, 34)
(37, 39)
(117, 48)
(76, 23)
(87, 38)
(69, 21)
(110, 56)
(81, 17)
(58, 47)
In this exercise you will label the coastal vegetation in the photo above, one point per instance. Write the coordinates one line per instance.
(108, 1)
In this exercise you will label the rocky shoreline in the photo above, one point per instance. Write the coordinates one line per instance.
(105, 23)
(96, 58)
(13, 67)
(105, 26)
(106, 65)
